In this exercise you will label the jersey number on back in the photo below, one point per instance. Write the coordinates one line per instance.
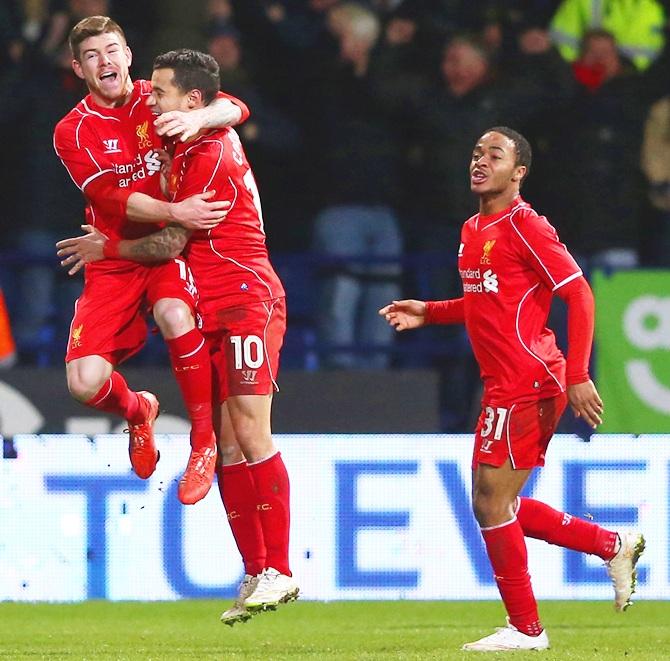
(250, 183)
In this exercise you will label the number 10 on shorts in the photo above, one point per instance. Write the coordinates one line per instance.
(248, 351)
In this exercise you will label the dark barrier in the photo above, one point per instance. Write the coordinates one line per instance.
(398, 401)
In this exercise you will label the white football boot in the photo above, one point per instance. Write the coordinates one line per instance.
(237, 612)
(621, 568)
(273, 589)
(508, 639)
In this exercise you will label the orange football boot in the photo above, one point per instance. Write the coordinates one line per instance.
(198, 476)
(142, 450)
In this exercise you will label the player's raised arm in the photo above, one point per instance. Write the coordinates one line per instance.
(224, 111)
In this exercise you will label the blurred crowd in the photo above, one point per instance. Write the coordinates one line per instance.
(364, 115)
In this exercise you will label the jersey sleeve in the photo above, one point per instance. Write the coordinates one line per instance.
(540, 247)
(81, 153)
(202, 166)
(240, 104)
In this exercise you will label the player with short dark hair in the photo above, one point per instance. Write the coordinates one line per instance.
(511, 262)
(241, 301)
(109, 145)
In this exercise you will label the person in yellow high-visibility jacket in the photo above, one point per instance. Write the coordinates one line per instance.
(637, 26)
(7, 346)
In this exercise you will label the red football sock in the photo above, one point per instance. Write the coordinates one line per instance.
(506, 549)
(238, 494)
(191, 366)
(273, 489)
(540, 521)
(116, 397)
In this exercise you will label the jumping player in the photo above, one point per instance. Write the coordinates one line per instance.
(244, 320)
(511, 263)
(108, 143)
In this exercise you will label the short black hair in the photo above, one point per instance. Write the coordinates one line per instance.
(193, 70)
(524, 153)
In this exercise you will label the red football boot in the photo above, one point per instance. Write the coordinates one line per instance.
(142, 450)
(198, 476)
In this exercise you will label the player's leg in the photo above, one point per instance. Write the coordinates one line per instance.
(250, 419)
(495, 489)
(172, 295)
(93, 381)
(238, 494)
(620, 551)
(509, 442)
(106, 329)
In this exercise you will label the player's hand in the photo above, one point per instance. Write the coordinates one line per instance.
(81, 250)
(166, 165)
(403, 315)
(586, 403)
(198, 213)
(179, 124)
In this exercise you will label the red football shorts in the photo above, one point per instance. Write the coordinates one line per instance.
(109, 316)
(245, 343)
(521, 432)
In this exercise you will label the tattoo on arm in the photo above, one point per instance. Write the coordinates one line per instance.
(159, 246)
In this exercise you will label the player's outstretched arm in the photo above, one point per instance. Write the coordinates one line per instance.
(93, 246)
(220, 113)
(194, 213)
(78, 251)
(165, 244)
(586, 403)
(404, 315)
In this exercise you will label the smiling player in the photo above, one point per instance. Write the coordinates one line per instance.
(108, 145)
(511, 263)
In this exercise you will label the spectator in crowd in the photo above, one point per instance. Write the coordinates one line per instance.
(12, 76)
(598, 154)
(358, 167)
(656, 167)
(636, 25)
(271, 139)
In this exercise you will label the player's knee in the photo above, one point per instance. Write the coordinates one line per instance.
(84, 385)
(174, 317)
(230, 454)
(489, 510)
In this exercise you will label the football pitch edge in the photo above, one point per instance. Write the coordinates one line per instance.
(314, 630)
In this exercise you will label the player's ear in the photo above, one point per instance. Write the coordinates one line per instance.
(76, 67)
(129, 55)
(519, 173)
(195, 99)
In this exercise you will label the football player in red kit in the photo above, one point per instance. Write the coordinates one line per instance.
(511, 263)
(108, 144)
(241, 301)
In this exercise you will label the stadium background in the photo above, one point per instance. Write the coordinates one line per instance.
(71, 511)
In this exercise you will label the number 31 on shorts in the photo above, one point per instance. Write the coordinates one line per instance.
(498, 416)
(248, 351)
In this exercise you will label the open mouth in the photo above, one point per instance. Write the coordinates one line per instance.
(109, 76)
(478, 177)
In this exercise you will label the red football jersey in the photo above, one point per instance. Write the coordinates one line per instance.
(230, 263)
(92, 142)
(510, 265)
